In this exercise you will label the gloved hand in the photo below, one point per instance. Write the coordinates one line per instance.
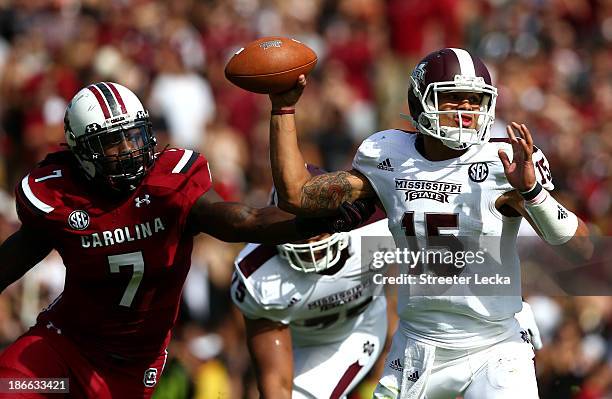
(350, 216)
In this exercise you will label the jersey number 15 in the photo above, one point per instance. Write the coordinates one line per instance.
(433, 223)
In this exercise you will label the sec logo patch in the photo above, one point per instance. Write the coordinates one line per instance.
(478, 172)
(78, 220)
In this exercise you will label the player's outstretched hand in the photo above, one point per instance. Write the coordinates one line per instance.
(290, 97)
(352, 215)
(520, 172)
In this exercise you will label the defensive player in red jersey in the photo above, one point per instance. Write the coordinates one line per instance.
(122, 217)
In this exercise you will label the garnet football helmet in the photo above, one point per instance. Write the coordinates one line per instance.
(110, 133)
(451, 70)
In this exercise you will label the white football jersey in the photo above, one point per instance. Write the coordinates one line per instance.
(319, 308)
(457, 196)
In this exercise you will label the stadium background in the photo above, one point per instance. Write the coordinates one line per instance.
(551, 60)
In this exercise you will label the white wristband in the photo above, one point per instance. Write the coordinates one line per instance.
(556, 223)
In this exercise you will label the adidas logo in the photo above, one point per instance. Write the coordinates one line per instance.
(525, 337)
(414, 376)
(396, 365)
(385, 165)
(562, 214)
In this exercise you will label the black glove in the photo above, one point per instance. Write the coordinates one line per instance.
(352, 215)
(348, 218)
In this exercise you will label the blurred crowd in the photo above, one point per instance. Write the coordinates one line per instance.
(550, 59)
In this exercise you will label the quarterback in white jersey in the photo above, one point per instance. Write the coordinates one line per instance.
(448, 179)
(314, 329)
(457, 196)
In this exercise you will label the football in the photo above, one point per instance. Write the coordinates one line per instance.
(270, 64)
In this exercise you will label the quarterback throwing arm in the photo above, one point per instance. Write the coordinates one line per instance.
(298, 191)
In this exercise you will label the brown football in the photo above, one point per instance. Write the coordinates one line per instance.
(270, 64)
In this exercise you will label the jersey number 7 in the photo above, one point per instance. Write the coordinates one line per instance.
(135, 260)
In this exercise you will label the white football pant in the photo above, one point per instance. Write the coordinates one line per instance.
(333, 370)
(415, 370)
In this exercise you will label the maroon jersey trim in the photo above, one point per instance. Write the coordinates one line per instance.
(346, 379)
(253, 261)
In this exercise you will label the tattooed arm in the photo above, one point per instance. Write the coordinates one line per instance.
(298, 191)
(322, 194)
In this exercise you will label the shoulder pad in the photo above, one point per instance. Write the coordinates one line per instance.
(252, 257)
(42, 191)
(378, 144)
(178, 160)
(178, 169)
(270, 281)
(389, 135)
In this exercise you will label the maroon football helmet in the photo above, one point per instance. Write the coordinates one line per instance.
(449, 70)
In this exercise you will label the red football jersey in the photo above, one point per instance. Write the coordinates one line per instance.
(126, 258)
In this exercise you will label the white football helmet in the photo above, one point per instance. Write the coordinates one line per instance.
(110, 133)
(315, 256)
(451, 70)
